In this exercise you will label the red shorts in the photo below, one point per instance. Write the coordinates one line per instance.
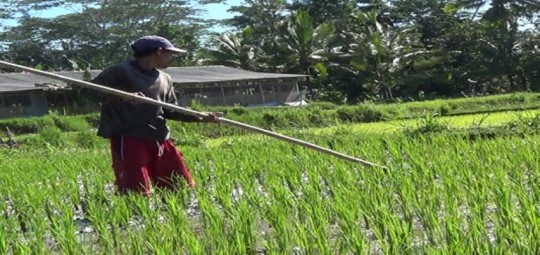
(140, 163)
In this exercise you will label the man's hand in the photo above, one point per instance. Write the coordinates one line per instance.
(211, 117)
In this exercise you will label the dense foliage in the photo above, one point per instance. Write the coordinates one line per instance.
(354, 49)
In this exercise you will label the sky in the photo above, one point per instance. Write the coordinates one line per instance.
(213, 11)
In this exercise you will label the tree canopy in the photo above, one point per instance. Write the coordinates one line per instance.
(352, 49)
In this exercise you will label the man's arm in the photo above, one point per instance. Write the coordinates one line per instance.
(108, 78)
(170, 98)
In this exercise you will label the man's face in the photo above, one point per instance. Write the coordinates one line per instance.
(162, 58)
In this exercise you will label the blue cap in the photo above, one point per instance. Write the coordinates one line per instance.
(152, 42)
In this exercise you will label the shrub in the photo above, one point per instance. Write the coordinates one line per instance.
(322, 105)
(428, 124)
(71, 123)
(239, 110)
(92, 119)
(28, 125)
(87, 139)
(444, 109)
(52, 136)
(361, 113)
(525, 124)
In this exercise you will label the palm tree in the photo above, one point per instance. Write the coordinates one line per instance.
(379, 53)
(531, 61)
(501, 45)
(304, 44)
(234, 50)
(498, 7)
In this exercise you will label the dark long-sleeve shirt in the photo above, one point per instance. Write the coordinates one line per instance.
(139, 120)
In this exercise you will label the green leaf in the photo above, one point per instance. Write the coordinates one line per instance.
(358, 66)
(450, 8)
(321, 69)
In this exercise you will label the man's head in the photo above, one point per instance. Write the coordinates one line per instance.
(154, 49)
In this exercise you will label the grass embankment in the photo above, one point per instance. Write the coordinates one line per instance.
(315, 120)
(315, 115)
(495, 124)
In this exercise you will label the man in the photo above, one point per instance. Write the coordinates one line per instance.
(142, 151)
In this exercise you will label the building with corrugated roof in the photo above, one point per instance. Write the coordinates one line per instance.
(26, 94)
(19, 97)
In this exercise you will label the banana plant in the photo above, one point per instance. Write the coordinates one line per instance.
(379, 53)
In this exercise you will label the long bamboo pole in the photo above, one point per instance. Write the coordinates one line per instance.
(124, 94)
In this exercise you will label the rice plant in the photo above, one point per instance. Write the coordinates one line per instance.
(441, 194)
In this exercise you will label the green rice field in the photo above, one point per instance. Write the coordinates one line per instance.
(440, 194)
